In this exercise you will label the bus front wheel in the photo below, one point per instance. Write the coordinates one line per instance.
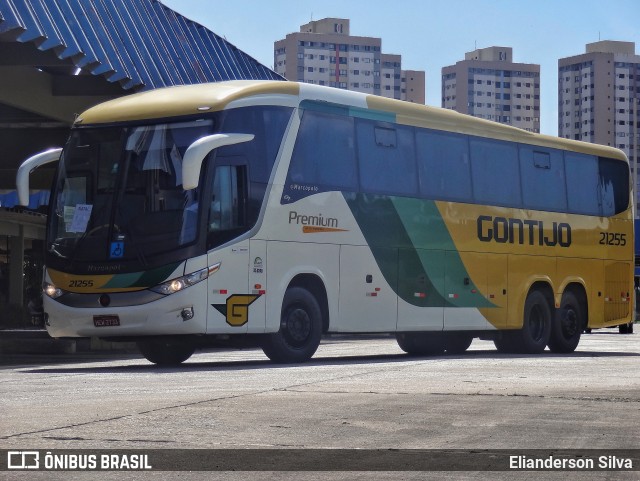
(300, 328)
(567, 326)
(166, 351)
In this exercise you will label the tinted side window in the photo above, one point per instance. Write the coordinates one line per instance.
(613, 186)
(268, 125)
(495, 173)
(386, 158)
(582, 183)
(227, 213)
(443, 166)
(324, 152)
(543, 182)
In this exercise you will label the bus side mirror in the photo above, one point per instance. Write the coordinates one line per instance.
(28, 166)
(197, 151)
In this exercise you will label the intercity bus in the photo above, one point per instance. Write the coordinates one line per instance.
(271, 213)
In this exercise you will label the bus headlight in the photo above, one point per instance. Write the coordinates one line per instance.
(52, 291)
(176, 285)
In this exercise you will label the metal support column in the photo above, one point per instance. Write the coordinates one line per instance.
(16, 268)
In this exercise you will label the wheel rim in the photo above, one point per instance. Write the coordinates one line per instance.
(297, 326)
(537, 323)
(569, 322)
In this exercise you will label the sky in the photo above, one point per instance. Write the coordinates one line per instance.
(432, 34)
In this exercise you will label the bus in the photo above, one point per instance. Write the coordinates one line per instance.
(270, 213)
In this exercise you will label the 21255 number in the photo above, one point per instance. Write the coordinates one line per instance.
(81, 283)
(613, 239)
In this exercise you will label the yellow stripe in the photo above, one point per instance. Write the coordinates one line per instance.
(85, 284)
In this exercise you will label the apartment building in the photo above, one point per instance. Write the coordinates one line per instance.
(489, 85)
(599, 96)
(324, 53)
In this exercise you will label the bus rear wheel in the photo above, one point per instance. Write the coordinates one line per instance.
(626, 328)
(421, 343)
(166, 351)
(567, 326)
(300, 328)
(536, 328)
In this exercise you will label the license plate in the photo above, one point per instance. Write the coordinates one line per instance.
(106, 321)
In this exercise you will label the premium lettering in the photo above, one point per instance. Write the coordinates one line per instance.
(313, 220)
(505, 230)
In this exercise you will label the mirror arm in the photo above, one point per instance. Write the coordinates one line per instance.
(197, 151)
(28, 166)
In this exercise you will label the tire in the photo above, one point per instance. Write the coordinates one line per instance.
(626, 328)
(300, 329)
(536, 328)
(457, 343)
(567, 326)
(535, 332)
(421, 343)
(166, 351)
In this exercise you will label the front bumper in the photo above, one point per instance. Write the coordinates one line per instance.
(159, 317)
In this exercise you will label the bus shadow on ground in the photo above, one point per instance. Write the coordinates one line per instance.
(194, 364)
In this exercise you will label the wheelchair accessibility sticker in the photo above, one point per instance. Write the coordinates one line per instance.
(116, 250)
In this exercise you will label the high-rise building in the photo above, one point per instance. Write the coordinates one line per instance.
(487, 84)
(599, 96)
(324, 53)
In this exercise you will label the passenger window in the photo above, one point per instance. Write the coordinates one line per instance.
(324, 155)
(613, 186)
(582, 183)
(386, 158)
(495, 172)
(543, 182)
(267, 124)
(443, 166)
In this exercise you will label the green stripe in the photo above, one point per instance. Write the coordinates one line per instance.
(123, 280)
(336, 109)
(429, 234)
(142, 279)
(156, 276)
(372, 114)
(398, 260)
(414, 250)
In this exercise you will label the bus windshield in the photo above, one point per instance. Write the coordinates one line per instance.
(119, 194)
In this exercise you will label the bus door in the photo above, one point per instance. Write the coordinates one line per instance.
(225, 201)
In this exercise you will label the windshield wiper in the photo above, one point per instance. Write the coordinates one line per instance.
(52, 249)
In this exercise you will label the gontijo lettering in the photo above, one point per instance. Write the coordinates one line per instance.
(516, 231)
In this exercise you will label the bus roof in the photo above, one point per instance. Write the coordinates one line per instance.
(193, 99)
(182, 100)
